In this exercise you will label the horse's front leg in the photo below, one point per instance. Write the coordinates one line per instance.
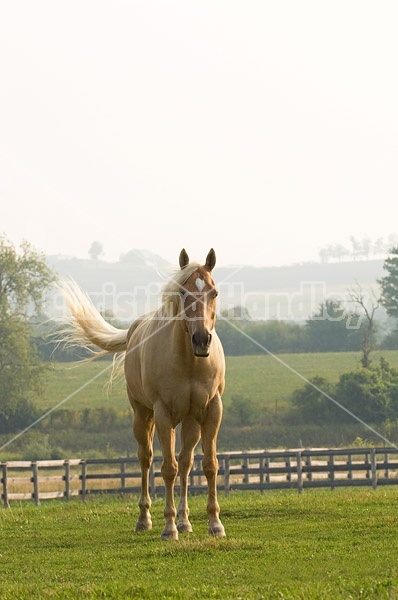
(210, 426)
(190, 435)
(143, 432)
(166, 435)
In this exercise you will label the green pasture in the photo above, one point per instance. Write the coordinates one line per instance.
(261, 378)
(322, 544)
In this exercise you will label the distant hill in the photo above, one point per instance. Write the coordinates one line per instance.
(267, 290)
(288, 277)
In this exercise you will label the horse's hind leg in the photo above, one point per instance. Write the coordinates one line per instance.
(143, 432)
(210, 426)
(190, 435)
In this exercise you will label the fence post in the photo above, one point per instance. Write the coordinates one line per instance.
(331, 471)
(267, 475)
(373, 467)
(261, 474)
(308, 464)
(368, 466)
(67, 479)
(227, 467)
(5, 484)
(386, 472)
(83, 478)
(123, 475)
(349, 463)
(246, 468)
(288, 465)
(299, 473)
(36, 492)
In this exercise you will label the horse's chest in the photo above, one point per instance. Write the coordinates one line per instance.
(200, 394)
(189, 399)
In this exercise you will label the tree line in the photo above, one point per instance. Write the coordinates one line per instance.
(332, 328)
(358, 249)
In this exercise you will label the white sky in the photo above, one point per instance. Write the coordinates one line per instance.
(264, 129)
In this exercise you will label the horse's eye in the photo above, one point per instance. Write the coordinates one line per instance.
(214, 294)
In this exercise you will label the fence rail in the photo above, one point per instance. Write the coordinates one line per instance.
(259, 470)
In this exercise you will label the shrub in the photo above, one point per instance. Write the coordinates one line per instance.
(17, 416)
(241, 412)
(370, 394)
(310, 405)
(37, 449)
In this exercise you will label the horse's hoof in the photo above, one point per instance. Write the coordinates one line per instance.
(217, 531)
(184, 527)
(143, 526)
(170, 535)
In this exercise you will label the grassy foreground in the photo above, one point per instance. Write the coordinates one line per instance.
(323, 544)
(260, 378)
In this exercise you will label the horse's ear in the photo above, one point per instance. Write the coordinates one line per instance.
(184, 258)
(211, 260)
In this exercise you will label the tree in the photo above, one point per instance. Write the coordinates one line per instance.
(368, 342)
(356, 247)
(96, 250)
(324, 254)
(389, 284)
(339, 251)
(392, 241)
(366, 246)
(236, 313)
(379, 246)
(332, 329)
(24, 276)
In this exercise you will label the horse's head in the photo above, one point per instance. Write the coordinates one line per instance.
(198, 303)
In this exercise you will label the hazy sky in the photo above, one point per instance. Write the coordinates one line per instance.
(264, 129)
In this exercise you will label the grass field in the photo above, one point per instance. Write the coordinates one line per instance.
(322, 544)
(260, 378)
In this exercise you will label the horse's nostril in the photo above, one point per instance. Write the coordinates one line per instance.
(201, 340)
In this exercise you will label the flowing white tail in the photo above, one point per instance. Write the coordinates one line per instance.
(85, 327)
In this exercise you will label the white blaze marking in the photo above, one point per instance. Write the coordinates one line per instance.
(200, 284)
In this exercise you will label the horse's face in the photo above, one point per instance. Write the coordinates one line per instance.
(198, 299)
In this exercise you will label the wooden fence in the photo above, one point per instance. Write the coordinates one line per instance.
(259, 470)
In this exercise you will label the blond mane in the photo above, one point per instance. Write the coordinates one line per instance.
(171, 291)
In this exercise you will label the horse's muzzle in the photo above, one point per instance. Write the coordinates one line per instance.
(201, 344)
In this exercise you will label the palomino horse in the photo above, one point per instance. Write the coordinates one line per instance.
(175, 370)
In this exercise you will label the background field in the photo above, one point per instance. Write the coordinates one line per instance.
(322, 544)
(262, 379)
(256, 413)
